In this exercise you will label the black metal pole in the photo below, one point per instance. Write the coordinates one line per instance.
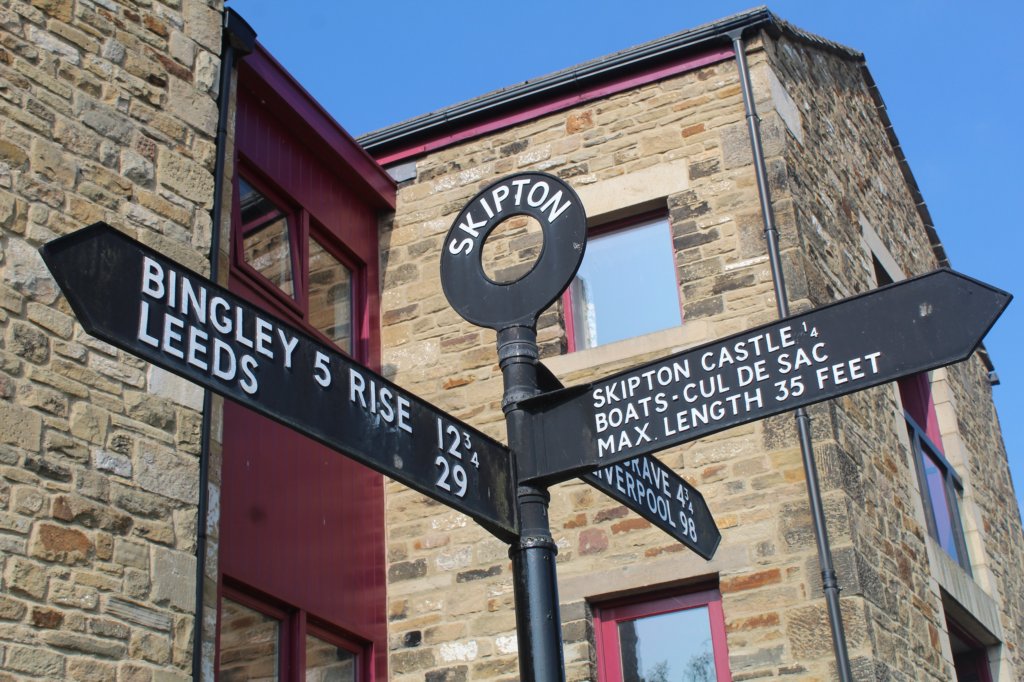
(803, 421)
(538, 622)
(238, 40)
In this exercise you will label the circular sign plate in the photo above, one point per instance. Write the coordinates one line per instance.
(480, 300)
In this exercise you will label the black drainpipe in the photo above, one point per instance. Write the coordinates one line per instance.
(803, 420)
(238, 40)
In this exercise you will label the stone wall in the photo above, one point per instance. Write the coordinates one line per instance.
(682, 143)
(852, 204)
(107, 112)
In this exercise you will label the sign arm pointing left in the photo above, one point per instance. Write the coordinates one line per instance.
(132, 297)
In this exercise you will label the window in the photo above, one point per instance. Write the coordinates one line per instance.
(259, 641)
(941, 487)
(678, 638)
(941, 490)
(970, 655)
(290, 256)
(626, 286)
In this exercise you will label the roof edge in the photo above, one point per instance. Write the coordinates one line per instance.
(582, 75)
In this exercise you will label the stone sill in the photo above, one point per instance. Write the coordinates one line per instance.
(629, 352)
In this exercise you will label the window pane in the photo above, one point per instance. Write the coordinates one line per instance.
(934, 475)
(626, 286)
(266, 243)
(671, 646)
(255, 206)
(326, 662)
(330, 296)
(249, 644)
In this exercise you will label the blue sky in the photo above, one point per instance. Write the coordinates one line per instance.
(949, 73)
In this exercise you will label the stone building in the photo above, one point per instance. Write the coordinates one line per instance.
(108, 113)
(655, 141)
(128, 496)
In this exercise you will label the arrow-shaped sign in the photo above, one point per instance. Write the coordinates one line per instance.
(658, 494)
(132, 297)
(901, 329)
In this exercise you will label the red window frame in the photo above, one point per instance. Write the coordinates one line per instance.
(293, 626)
(619, 225)
(608, 616)
(974, 661)
(302, 228)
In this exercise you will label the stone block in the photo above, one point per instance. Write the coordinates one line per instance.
(150, 410)
(35, 661)
(50, 619)
(26, 273)
(202, 24)
(136, 167)
(162, 471)
(185, 177)
(90, 670)
(194, 106)
(11, 609)
(150, 647)
(407, 570)
(52, 44)
(112, 462)
(89, 423)
(51, 163)
(85, 512)
(91, 646)
(28, 342)
(58, 543)
(173, 579)
(20, 427)
(105, 120)
(137, 613)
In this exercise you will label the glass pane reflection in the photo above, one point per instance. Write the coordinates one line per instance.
(330, 296)
(943, 515)
(249, 644)
(668, 647)
(266, 243)
(326, 662)
(626, 286)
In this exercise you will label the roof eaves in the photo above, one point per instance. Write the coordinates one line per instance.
(567, 80)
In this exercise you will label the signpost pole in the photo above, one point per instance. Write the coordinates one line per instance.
(538, 623)
(803, 420)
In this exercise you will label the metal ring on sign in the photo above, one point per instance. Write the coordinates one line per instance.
(486, 303)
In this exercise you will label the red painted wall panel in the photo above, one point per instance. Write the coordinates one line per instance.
(301, 523)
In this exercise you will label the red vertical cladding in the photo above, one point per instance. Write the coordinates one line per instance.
(301, 525)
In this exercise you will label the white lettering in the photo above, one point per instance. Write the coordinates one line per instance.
(289, 347)
(195, 334)
(143, 334)
(248, 364)
(222, 351)
(152, 278)
(171, 334)
(263, 338)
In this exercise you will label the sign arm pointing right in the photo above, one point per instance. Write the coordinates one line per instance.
(901, 329)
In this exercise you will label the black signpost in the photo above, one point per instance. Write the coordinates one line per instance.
(132, 297)
(512, 309)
